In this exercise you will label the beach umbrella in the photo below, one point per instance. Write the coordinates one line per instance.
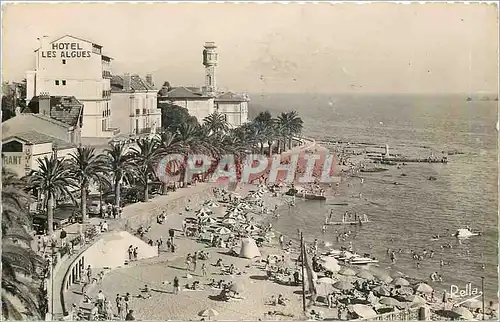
(423, 288)
(211, 203)
(240, 218)
(415, 299)
(389, 301)
(207, 210)
(325, 280)
(236, 287)
(363, 311)
(463, 312)
(346, 271)
(243, 206)
(208, 220)
(344, 286)
(202, 213)
(472, 304)
(222, 231)
(262, 186)
(251, 228)
(382, 291)
(229, 221)
(233, 213)
(364, 274)
(330, 264)
(400, 281)
(209, 313)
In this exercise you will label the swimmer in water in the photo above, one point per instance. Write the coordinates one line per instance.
(323, 229)
(441, 263)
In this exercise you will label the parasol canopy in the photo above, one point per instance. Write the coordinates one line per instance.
(344, 286)
(389, 301)
(210, 313)
(363, 311)
(330, 264)
(472, 304)
(251, 228)
(208, 220)
(236, 287)
(229, 221)
(211, 203)
(463, 312)
(222, 231)
(346, 271)
(423, 288)
(400, 281)
(382, 291)
(325, 280)
(364, 274)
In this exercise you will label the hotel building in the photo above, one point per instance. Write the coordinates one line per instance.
(71, 66)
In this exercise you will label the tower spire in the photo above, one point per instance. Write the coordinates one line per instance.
(210, 57)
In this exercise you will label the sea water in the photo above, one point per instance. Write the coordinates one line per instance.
(406, 215)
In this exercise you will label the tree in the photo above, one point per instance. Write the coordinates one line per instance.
(173, 116)
(54, 179)
(120, 164)
(216, 122)
(264, 117)
(289, 124)
(16, 258)
(87, 167)
(146, 156)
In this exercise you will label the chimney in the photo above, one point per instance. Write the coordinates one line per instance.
(149, 79)
(127, 79)
(44, 103)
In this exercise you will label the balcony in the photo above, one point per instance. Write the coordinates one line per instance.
(106, 74)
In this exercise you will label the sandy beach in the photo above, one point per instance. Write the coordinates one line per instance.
(256, 289)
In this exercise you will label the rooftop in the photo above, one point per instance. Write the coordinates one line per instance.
(231, 97)
(182, 92)
(65, 109)
(34, 137)
(137, 83)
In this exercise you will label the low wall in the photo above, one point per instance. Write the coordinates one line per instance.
(146, 218)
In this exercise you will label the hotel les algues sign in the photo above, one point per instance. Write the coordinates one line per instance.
(67, 50)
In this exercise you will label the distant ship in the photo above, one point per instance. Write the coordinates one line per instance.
(469, 99)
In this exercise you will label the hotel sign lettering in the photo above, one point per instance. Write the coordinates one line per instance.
(13, 160)
(66, 50)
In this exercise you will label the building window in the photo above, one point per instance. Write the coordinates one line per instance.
(57, 82)
(137, 111)
(64, 83)
(144, 111)
(64, 61)
(103, 125)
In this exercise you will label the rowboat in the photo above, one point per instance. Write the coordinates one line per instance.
(361, 220)
(302, 193)
(464, 233)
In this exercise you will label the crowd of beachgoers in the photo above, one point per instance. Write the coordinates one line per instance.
(223, 260)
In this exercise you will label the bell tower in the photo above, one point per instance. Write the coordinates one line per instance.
(210, 57)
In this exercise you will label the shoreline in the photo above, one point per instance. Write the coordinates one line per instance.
(188, 245)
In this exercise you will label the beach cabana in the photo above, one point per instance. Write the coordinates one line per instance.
(202, 213)
(251, 228)
(211, 204)
(208, 313)
(222, 231)
(249, 248)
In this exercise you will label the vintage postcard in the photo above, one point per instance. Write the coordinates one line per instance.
(250, 161)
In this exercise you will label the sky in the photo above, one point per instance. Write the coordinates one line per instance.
(276, 48)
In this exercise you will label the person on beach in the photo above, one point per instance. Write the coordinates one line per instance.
(194, 260)
(188, 262)
(119, 306)
(204, 269)
(176, 285)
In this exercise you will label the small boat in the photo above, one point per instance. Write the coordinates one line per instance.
(465, 233)
(302, 193)
(362, 261)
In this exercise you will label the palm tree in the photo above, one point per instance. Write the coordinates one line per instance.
(289, 124)
(87, 167)
(54, 179)
(146, 156)
(216, 122)
(121, 166)
(17, 257)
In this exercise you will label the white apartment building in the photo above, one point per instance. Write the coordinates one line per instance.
(71, 66)
(135, 105)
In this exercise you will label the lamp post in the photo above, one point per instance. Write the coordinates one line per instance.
(482, 293)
